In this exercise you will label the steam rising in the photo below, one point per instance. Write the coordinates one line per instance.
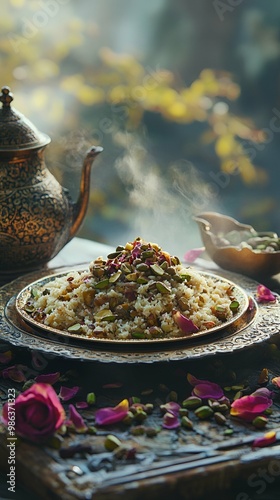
(163, 204)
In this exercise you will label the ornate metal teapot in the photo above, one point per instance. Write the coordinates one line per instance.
(37, 216)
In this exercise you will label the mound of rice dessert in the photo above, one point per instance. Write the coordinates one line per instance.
(138, 292)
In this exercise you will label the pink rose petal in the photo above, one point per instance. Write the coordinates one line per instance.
(170, 421)
(205, 389)
(81, 405)
(48, 378)
(264, 392)
(171, 407)
(249, 407)
(264, 294)
(208, 391)
(77, 419)
(185, 324)
(14, 373)
(265, 440)
(67, 393)
(107, 416)
(192, 255)
(276, 381)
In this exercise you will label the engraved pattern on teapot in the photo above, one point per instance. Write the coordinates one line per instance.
(37, 215)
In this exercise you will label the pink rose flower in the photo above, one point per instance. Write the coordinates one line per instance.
(38, 413)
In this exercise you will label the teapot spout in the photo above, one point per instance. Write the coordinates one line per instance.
(80, 207)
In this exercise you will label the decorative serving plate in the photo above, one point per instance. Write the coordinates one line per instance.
(256, 324)
(240, 295)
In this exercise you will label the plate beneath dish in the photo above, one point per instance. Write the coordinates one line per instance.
(258, 323)
(239, 294)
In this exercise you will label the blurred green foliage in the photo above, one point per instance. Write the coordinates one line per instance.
(82, 95)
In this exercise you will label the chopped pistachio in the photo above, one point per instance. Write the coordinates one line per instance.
(260, 422)
(157, 269)
(203, 412)
(162, 287)
(91, 398)
(112, 442)
(192, 402)
(228, 432)
(220, 418)
(102, 284)
(151, 431)
(114, 277)
(138, 430)
(74, 328)
(104, 315)
(186, 422)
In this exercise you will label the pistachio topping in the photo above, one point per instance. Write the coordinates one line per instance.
(139, 292)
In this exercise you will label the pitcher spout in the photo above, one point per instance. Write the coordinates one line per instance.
(80, 207)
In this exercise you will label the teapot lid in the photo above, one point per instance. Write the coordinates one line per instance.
(17, 133)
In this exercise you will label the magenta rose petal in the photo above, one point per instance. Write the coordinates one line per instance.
(67, 393)
(193, 380)
(48, 378)
(170, 421)
(107, 416)
(81, 405)
(208, 391)
(264, 294)
(38, 412)
(185, 324)
(14, 373)
(249, 407)
(77, 419)
(171, 407)
(265, 440)
(264, 392)
(191, 255)
(205, 389)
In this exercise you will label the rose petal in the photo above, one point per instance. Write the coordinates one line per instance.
(264, 392)
(276, 381)
(264, 294)
(14, 373)
(77, 419)
(48, 378)
(67, 393)
(251, 304)
(81, 405)
(170, 421)
(265, 440)
(113, 385)
(208, 391)
(205, 389)
(5, 357)
(249, 407)
(195, 381)
(185, 324)
(171, 407)
(107, 416)
(192, 255)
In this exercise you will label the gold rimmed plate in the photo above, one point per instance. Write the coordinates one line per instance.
(22, 297)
